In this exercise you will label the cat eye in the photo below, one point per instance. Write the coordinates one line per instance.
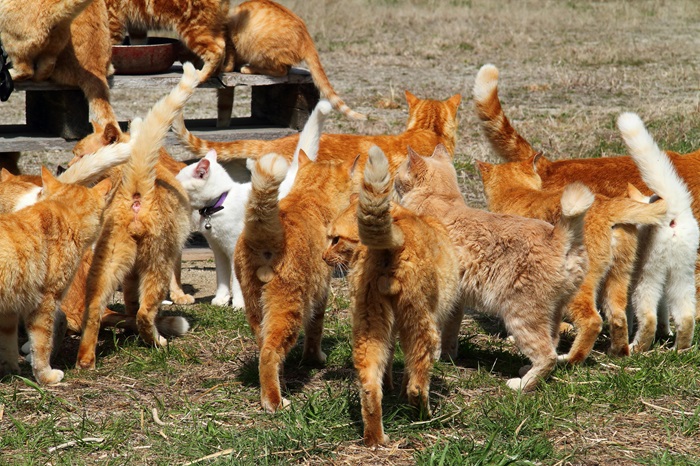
(335, 240)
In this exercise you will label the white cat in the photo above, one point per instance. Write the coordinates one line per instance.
(664, 276)
(219, 204)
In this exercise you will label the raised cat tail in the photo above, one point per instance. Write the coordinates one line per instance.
(575, 202)
(374, 220)
(504, 139)
(139, 174)
(654, 165)
(324, 85)
(310, 136)
(263, 229)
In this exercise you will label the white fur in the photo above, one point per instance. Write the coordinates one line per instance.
(664, 277)
(227, 225)
(486, 81)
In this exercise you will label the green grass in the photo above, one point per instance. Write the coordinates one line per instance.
(205, 390)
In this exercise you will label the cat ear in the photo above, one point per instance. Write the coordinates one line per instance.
(411, 99)
(96, 127)
(635, 194)
(454, 101)
(353, 166)
(201, 171)
(441, 152)
(484, 168)
(48, 181)
(414, 159)
(535, 158)
(354, 197)
(111, 134)
(5, 175)
(103, 187)
(303, 158)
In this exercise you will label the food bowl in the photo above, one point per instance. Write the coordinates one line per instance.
(157, 56)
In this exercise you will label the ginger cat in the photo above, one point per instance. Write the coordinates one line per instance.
(201, 25)
(40, 249)
(516, 188)
(608, 176)
(278, 260)
(523, 270)
(145, 227)
(664, 276)
(389, 297)
(66, 42)
(269, 39)
(430, 122)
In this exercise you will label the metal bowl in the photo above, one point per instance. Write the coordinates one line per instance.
(157, 56)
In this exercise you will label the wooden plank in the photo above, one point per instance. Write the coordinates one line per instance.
(172, 77)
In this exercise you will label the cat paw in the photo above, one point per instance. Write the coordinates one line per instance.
(375, 440)
(245, 69)
(26, 348)
(315, 358)
(515, 383)
(563, 359)
(27, 357)
(271, 407)
(49, 376)
(221, 300)
(8, 368)
(619, 351)
(238, 302)
(182, 298)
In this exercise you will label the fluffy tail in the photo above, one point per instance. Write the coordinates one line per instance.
(505, 140)
(575, 202)
(374, 221)
(263, 229)
(324, 85)
(168, 325)
(139, 175)
(624, 210)
(654, 165)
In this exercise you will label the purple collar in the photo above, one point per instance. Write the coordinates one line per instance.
(212, 209)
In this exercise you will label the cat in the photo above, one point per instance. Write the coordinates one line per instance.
(41, 248)
(430, 122)
(664, 275)
(278, 260)
(516, 188)
(202, 26)
(390, 243)
(608, 176)
(145, 227)
(269, 39)
(523, 270)
(218, 204)
(66, 42)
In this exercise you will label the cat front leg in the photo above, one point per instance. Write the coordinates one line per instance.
(40, 327)
(9, 353)
(223, 277)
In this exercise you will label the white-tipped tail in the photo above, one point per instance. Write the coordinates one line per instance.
(486, 82)
(92, 167)
(575, 202)
(269, 170)
(654, 165)
(172, 325)
(311, 134)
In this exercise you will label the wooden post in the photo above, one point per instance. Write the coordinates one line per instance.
(286, 105)
(224, 106)
(62, 113)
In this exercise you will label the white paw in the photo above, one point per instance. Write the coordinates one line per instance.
(563, 359)
(221, 300)
(515, 384)
(50, 376)
(26, 348)
(160, 341)
(238, 302)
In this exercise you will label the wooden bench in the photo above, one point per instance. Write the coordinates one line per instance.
(56, 116)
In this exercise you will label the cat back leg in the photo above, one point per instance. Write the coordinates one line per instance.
(534, 339)
(9, 352)
(645, 301)
(681, 301)
(450, 333)
(313, 332)
(587, 321)
(177, 294)
(153, 289)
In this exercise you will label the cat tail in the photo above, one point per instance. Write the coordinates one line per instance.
(575, 202)
(654, 165)
(225, 151)
(263, 229)
(92, 167)
(628, 211)
(139, 174)
(374, 220)
(175, 326)
(324, 85)
(504, 139)
(309, 140)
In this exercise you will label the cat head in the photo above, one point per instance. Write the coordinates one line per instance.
(205, 180)
(499, 178)
(91, 199)
(343, 238)
(438, 116)
(16, 192)
(434, 174)
(101, 136)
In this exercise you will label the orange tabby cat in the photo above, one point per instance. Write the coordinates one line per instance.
(278, 260)
(523, 270)
(516, 188)
(201, 25)
(269, 39)
(66, 42)
(430, 122)
(145, 227)
(404, 280)
(40, 250)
